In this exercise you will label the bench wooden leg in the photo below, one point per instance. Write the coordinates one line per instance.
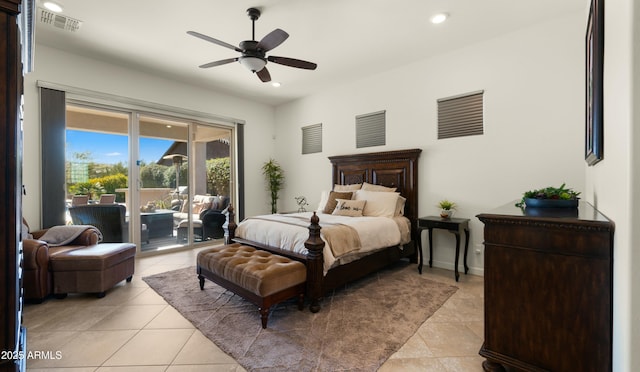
(264, 316)
(201, 279)
(301, 301)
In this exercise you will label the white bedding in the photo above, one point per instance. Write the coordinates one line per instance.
(290, 231)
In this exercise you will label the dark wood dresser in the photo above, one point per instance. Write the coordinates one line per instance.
(12, 333)
(548, 289)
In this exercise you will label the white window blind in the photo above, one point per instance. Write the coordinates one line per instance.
(312, 139)
(461, 115)
(371, 129)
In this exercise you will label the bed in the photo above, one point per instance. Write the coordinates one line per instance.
(393, 169)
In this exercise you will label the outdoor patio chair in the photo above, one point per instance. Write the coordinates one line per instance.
(79, 200)
(107, 199)
(108, 218)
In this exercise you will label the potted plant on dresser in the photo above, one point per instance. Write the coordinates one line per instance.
(550, 197)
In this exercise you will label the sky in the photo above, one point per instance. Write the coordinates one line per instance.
(112, 148)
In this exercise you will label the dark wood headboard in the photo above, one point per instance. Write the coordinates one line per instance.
(388, 168)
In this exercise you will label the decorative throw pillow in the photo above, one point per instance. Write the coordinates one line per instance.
(223, 203)
(197, 208)
(215, 203)
(371, 187)
(324, 196)
(331, 202)
(206, 206)
(379, 204)
(343, 188)
(351, 208)
(185, 206)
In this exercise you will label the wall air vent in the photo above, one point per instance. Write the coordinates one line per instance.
(59, 21)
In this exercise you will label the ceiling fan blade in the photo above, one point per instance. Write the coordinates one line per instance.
(264, 75)
(218, 63)
(292, 62)
(273, 39)
(212, 40)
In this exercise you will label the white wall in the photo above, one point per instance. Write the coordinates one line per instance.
(66, 69)
(534, 125)
(610, 184)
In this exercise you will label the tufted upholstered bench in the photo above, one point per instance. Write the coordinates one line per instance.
(261, 277)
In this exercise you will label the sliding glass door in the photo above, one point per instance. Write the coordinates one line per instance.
(173, 176)
(211, 191)
(164, 176)
(96, 158)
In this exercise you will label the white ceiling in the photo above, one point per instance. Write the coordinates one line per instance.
(348, 39)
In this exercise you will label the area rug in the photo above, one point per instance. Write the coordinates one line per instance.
(358, 327)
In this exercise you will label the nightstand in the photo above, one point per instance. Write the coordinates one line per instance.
(454, 226)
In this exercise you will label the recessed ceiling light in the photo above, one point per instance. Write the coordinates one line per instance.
(276, 84)
(439, 18)
(56, 8)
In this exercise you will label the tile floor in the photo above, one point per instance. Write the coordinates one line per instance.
(134, 329)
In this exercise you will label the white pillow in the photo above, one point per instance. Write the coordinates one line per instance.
(400, 206)
(352, 187)
(371, 187)
(348, 207)
(324, 197)
(379, 204)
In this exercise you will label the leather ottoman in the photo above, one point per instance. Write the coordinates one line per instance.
(93, 269)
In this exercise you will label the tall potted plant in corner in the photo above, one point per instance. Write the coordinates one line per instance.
(275, 180)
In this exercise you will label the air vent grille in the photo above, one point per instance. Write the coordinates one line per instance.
(59, 21)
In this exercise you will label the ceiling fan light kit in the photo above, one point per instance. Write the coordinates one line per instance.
(253, 63)
(254, 52)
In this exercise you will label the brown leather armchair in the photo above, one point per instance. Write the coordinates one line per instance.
(37, 280)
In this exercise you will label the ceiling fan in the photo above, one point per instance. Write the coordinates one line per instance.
(254, 52)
